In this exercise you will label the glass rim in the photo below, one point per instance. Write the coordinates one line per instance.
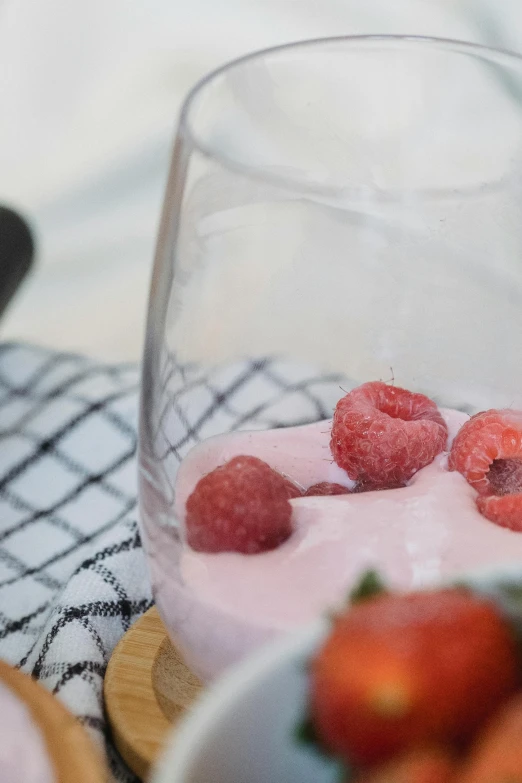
(187, 134)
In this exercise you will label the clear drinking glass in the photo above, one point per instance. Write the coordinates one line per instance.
(337, 211)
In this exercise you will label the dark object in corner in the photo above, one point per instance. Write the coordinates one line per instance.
(16, 253)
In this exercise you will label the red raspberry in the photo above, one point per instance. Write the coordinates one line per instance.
(488, 452)
(239, 507)
(382, 435)
(505, 511)
(292, 490)
(326, 488)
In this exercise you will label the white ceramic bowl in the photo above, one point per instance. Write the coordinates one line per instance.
(242, 729)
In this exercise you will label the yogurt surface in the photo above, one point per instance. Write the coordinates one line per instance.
(413, 536)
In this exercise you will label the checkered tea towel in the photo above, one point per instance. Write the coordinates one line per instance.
(72, 571)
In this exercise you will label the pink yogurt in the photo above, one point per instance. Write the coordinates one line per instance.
(23, 757)
(414, 536)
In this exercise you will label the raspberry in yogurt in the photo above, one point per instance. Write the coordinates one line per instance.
(279, 524)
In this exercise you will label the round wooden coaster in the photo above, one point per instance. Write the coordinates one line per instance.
(147, 689)
(74, 756)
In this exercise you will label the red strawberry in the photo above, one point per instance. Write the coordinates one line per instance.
(326, 488)
(496, 756)
(382, 435)
(420, 765)
(488, 452)
(399, 671)
(239, 507)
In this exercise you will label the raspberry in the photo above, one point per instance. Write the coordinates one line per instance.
(504, 511)
(382, 435)
(326, 488)
(487, 451)
(241, 506)
(292, 490)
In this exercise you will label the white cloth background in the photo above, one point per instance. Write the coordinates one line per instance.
(72, 571)
(89, 98)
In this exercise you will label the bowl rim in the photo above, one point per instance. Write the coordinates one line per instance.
(184, 743)
(73, 756)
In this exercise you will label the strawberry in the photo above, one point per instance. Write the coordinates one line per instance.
(496, 756)
(382, 435)
(240, 507)
(398, 671)
(419, 765)
(487, 451)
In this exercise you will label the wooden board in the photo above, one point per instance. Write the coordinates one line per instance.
(147, 689)
(73, 754)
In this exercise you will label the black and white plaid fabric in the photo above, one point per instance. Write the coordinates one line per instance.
(72, 572)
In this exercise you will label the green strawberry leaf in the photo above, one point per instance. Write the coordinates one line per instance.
(369, 586)
(305, 735)
(507, 594)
